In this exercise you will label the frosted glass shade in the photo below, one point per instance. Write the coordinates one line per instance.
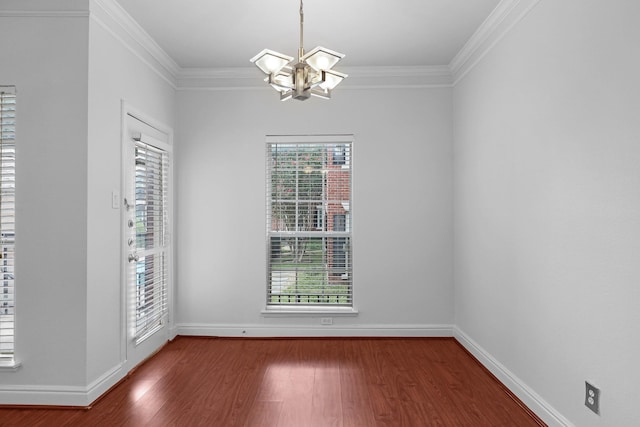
(332, 79)
(270, 62)
(321, 58)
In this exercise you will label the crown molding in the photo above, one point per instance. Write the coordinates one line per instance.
(359, 78)
(219, 78)
(501, 20)
(44, 9)
(110, 15)
(398, 77)
(44, 13)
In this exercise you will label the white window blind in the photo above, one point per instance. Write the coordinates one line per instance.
(309, 220)
(151, 189)
(7, 219)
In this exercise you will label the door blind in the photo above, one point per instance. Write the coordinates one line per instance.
(7, 219)
(151, 189)
(309, 222)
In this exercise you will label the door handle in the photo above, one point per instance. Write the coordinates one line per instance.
(133, 257)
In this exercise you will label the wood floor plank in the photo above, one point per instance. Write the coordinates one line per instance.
(297, 386)
(357, 409)
(299, 383)
(264, 414)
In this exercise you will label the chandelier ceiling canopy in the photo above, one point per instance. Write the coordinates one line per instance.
(311, 74)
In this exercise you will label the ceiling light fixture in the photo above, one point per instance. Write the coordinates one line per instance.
(310, 75)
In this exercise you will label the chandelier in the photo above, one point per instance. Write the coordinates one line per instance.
(310, 75)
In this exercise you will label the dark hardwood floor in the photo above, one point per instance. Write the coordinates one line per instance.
(299, 383)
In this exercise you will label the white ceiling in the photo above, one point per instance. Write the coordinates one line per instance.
(227, 33)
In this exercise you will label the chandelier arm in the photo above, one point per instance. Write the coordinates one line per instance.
(301, 49)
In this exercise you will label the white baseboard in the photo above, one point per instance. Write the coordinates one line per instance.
(173, 332)
(39, 395)
(271, 331)
(43, 395)
(529, 397)
(100, 386)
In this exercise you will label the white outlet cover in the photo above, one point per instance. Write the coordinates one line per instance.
(592, 397)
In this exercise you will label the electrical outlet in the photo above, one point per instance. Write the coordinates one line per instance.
(592, 397)
(326, 321)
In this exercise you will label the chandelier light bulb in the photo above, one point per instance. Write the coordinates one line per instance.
(323, 63)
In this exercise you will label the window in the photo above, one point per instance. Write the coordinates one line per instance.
(7, 220)
(308, 221)
(151, 188)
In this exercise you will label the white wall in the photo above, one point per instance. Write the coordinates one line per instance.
(46, 59)
(545, 182)
(116, 73)
(547, 206)
(72, 66)
(402, 208)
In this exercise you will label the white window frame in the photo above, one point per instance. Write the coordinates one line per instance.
(273, 308)
(7, 228)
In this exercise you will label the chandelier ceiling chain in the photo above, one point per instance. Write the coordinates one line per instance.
(301, 49)
(311, 74)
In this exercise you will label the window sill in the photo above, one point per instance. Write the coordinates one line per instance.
(9, 365)
(308, 311)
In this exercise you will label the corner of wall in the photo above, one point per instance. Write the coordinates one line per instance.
(529, 397)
